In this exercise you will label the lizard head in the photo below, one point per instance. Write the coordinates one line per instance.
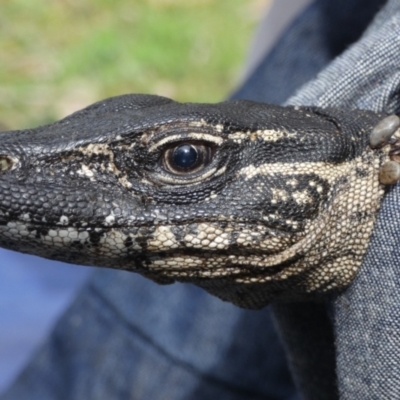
(244, 199)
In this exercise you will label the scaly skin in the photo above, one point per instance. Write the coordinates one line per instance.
(280, 202)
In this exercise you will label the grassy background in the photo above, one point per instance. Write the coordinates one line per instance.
(58, 56)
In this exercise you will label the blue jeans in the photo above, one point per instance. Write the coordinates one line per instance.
(127, 338)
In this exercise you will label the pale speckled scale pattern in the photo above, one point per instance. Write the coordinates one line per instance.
(284, 210)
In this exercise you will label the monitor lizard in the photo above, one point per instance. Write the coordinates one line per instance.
(253, 202)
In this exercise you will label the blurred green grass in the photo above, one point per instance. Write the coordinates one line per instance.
(58, 56)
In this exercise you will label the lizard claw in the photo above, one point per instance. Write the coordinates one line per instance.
(383, 131)
(382, 135)
(389, 173)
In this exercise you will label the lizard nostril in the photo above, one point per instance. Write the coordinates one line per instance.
(6, 163)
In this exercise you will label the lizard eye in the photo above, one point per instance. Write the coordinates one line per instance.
(187, 158)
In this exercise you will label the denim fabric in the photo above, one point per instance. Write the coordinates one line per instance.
(125, 337)
(289, 65)
(312, 41)
(33, 294)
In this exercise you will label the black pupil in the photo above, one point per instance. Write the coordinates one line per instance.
(184, 156)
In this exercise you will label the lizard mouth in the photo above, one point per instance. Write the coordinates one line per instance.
(243, 268)
(200, 251)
